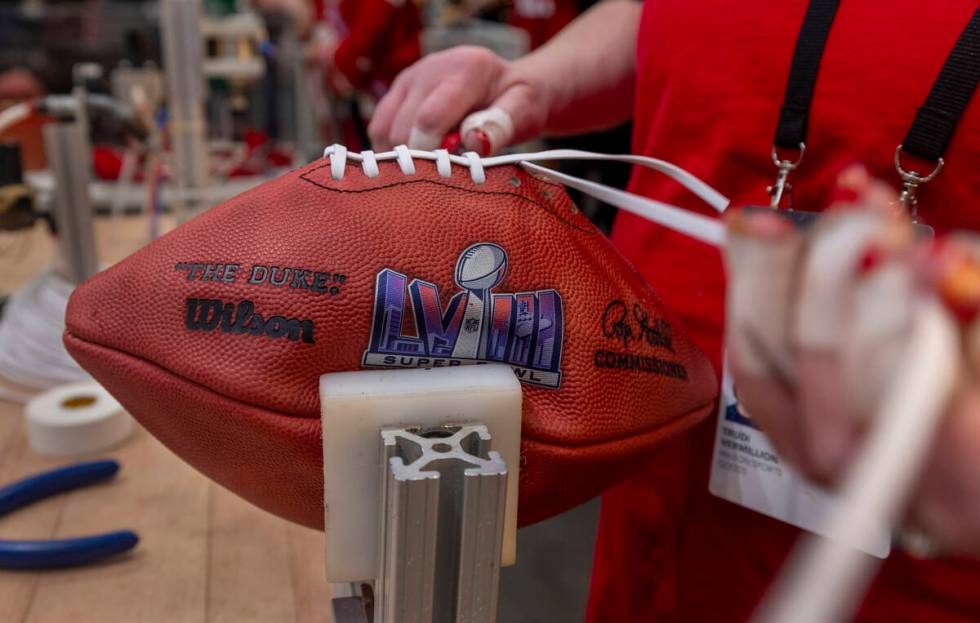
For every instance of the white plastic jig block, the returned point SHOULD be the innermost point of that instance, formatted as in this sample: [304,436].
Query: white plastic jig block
[357,406]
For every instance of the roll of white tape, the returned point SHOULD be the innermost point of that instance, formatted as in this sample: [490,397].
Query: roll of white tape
[77,418]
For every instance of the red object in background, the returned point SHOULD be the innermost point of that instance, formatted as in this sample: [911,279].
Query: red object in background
[260,155]
[378,39]
[28,134]
[106,162]
[711,79]
[254,139]
[224,367]
[542,19]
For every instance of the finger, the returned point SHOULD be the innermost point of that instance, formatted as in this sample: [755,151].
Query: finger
[379,128]
[884,299]
[954,274]
[855,188]
[828,426]
[835,246]
[761,258]
[947,505]
[850,314]
[772,408]
[883,292]
[401,125]
[513,117]
[442,110]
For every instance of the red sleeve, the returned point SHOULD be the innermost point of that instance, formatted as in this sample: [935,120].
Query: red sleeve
[377,33]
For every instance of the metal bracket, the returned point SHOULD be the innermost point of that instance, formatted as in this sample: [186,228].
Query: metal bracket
[443,494]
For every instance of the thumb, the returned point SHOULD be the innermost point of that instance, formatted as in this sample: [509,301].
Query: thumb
[513,117]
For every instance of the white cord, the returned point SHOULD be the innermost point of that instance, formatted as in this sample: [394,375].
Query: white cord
[686,222]
[824,579]
[31,351]
[339,156]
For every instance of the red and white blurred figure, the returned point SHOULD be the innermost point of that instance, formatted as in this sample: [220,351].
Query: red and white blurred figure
[542,19]
[819,321]
[363,44]
[360,44]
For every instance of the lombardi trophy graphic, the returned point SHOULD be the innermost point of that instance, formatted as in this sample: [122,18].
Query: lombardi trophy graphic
[478,270]
[523,329]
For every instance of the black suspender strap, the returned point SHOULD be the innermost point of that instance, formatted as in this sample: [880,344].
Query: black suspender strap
[938,117]
[936,121]
[792,126]
[795,113]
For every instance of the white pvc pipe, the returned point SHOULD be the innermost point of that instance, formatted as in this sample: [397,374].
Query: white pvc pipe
[824,579]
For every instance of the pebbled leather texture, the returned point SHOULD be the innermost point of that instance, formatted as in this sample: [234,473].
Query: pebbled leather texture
[244,408]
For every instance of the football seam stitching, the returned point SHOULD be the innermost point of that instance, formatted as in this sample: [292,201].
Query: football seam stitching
[212,390]
[303,177]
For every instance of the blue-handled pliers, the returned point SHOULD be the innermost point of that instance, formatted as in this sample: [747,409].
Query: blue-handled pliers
[55,553]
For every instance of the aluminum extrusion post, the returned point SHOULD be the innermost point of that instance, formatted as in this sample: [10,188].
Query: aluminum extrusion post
[443,494]
[180,26]
[67,147]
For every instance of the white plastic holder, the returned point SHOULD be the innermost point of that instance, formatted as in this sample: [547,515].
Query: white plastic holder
[420,488]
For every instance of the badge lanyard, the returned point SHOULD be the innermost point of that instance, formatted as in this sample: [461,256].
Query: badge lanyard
[927,138]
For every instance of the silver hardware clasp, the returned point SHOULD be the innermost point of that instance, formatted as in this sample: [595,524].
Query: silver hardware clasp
[911,180]
[782,187]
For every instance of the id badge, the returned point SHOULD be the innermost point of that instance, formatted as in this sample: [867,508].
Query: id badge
[747,470]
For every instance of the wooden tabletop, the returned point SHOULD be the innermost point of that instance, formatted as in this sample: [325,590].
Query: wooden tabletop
[204,554]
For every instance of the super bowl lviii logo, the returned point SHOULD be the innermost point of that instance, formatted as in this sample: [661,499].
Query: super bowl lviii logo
[477,325]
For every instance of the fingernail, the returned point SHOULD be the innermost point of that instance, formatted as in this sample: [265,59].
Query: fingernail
[957,280]
[453,143]
[423,139]
[761,224]
[487,131]
[478,141]
[872,258]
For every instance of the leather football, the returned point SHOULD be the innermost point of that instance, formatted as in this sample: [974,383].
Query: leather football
[215,335]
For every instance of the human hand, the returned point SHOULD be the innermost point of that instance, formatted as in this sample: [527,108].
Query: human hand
[436,94]
[819,321]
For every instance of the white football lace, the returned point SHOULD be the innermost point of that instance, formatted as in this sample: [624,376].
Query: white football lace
[706,229]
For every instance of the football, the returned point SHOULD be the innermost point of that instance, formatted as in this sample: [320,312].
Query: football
[215,335]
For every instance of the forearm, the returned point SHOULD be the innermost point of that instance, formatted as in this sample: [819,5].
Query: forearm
[588,70]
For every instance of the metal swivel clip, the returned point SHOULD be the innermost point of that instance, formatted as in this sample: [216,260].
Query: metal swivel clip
[782,187]
[911,181]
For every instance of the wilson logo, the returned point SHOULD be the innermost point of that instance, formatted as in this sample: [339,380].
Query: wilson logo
[242,319]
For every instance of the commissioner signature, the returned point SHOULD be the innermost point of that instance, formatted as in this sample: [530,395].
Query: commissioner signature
[619,324]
